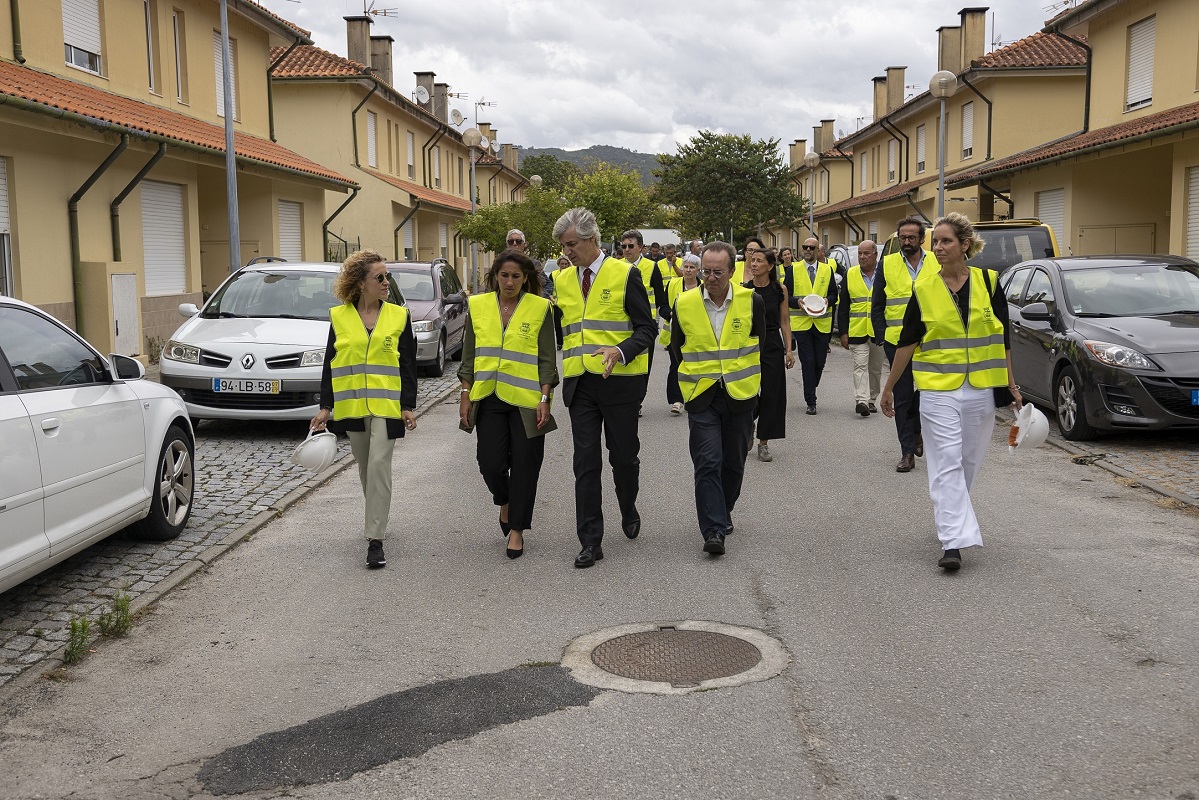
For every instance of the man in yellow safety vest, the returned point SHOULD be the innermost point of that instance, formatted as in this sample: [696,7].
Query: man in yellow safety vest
[857,331]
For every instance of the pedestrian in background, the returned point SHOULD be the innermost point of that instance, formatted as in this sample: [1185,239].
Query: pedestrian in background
[810,334]
[368,384]
[508,371]
[955,336]
[776,358]
[857,330]
[688,281]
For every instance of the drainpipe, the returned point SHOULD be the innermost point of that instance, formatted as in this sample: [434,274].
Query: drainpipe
[73,222]
[270,96]
[325,225]
[491,187]
[908,196]
[354,120]
[516,188]
[403,222]
[1086,101]
[906,145]
[18,52]
[115,207]
[427,149]
[848,220]
[990,111]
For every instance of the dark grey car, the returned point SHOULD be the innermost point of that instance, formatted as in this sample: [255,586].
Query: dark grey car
[433,295]
[1109,342]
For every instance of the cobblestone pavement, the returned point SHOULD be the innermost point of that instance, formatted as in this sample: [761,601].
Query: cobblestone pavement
[242,475]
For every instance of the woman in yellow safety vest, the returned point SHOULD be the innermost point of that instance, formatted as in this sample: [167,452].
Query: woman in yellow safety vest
[368,384]
[955,334]
[689,280]
[508,371]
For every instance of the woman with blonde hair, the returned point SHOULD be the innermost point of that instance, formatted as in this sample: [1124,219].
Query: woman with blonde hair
[368,384]
[955,334]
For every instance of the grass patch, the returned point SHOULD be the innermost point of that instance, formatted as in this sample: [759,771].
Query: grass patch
[60,675]
[116,622]
[534,664]
[78,640]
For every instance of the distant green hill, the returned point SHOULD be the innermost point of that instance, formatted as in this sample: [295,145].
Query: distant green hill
[642,163]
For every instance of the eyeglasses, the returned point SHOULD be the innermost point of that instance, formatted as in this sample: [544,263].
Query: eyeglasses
[808,247]
[630,246]
[381,277]
[707,273]
[516,241]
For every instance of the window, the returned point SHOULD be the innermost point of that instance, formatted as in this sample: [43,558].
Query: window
[1016,284]
[872,230]
[1141,39]
[1040,290]
[372,139]
[43,355]
[163,239]
[218,57]
[862,168]
[411,154]
[824,187]
[291,230]
[81,33]
[1192,211]
[443,237]
[968,130]
[1051,209]
[6,276]
[437,165]
[892,150]
[461,186]
[178,33]
[409,243]
[151,8]
[920,142]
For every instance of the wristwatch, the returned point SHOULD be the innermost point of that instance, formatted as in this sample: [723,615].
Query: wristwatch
[545,398]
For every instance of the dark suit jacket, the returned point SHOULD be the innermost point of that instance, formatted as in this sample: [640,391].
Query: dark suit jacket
[793,301]
[624,388]
[704,398]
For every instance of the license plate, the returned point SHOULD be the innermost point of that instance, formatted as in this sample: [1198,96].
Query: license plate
[245,386]
[1195,398]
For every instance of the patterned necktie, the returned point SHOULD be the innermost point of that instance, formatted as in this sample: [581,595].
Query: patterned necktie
[812,275]
[586,282]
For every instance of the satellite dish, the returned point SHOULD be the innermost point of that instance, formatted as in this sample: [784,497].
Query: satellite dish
[484,143]
[456,115]
[495,148]
[421,94]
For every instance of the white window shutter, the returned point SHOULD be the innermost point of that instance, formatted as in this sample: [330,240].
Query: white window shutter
[437,166]
[372,139]
[163,240]
[81,24]
[892,148]
[4,218]
[1141,40]
[1051,209]
[968,130]
[1192,244]
[218,57]
[872,230]
[443,236]
[291,230]
[862,167]
[409,243]
[411,154]
[920,160]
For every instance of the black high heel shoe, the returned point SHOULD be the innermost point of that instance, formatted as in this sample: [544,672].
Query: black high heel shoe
[515,553]
[505,527]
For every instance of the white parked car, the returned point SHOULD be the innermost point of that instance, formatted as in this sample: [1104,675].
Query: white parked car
[256,348]
[86,446]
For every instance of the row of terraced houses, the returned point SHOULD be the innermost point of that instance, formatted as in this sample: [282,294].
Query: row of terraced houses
[1090,125]
[113,206]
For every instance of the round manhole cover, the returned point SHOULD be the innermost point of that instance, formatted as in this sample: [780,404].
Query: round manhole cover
[677,657]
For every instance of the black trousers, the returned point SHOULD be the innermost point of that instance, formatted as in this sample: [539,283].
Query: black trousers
[509,461]
[591,414]
[674,392]
[811,348]
[907,405]
[719,441]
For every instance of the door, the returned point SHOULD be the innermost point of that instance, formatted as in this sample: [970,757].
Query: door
[455,313]
[89,431]
[126,331]
[22,525]
[1034,341]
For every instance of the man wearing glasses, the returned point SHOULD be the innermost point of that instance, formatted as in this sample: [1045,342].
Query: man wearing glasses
[811,334]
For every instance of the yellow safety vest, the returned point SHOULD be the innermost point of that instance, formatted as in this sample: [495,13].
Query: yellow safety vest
[673,290]
[781,269]
[736,360]
[647,269]
[859,304]
[802,286]
[669,271]
[506,358]
[738,274]
[600,322]
[366,367]
[899,288]
[949,351]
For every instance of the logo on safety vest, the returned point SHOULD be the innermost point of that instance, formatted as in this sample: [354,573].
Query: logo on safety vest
[737,324]
[387,344]
[525,327]
[606,296]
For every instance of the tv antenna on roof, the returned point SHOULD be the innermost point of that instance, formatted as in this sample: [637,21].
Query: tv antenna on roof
[368,7]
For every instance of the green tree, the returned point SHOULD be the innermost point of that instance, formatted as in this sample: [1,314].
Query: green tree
[719,181]
[534,216]
[615,196]
[554,172]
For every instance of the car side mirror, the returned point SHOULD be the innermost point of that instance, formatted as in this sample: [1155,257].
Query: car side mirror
[188,309]
[1037,312]
[456,298]
[126,368]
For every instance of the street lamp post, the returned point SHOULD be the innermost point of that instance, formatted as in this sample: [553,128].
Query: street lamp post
[472,137]
[811,160]
[942,85]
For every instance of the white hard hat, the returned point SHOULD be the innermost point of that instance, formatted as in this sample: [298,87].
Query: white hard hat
[814,305]
[316,452]
[1030,429]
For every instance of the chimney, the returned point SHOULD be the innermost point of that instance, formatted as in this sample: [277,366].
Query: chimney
[799,149]
[894,88]
[974,35]
[949,48]
[485,129]
[441,101]
[425,79]
[880,97]
[817,144]
[510,156]
[358,39]
[827,137]
[381,57]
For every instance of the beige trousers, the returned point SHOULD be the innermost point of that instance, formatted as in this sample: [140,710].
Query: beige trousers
[867,371]
[373,450]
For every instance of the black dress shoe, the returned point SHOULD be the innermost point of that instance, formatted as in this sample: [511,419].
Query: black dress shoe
[588,556]
[811,410]
[632,528]
[714,546]
[872,408]
[862,409]
[514,553]
[906,464]
[950,560]
[919,445]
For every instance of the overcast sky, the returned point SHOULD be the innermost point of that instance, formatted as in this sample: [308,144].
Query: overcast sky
[645,74]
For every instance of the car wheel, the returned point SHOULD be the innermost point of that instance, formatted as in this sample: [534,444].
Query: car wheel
[1071,411]
[173,490]
[437,368]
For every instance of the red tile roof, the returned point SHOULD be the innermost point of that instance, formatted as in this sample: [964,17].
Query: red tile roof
[309,61]
[434,196]
[266,12]
[1164,123]
[874,198]
[1037,50]
[50,92]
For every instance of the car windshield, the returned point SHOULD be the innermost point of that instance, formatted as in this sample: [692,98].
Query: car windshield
[277,293]
[1006,247]
[1134,291]
[415,285]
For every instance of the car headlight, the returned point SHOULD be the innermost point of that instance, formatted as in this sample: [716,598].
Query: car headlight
[313,358]
[424,326]
[1117,355]
[178,351]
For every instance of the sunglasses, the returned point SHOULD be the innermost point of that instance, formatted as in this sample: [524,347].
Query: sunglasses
[808,247]
[381,277]
[630,246]
[516,241]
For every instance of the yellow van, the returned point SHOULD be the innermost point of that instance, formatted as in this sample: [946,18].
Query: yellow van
[1009,242]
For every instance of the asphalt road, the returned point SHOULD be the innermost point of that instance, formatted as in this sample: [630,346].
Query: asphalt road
[1060,662]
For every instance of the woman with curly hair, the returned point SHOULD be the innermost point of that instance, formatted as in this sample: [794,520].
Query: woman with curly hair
[368,384]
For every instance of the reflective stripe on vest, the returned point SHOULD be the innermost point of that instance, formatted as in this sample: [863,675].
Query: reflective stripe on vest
[673,290]
[735,360]
[948,353]
[801,286]
[899,289]
[601,322]
[366,367]
[859,304]
[506,358]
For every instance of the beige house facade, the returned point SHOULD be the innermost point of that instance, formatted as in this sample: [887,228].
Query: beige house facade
[112,168]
